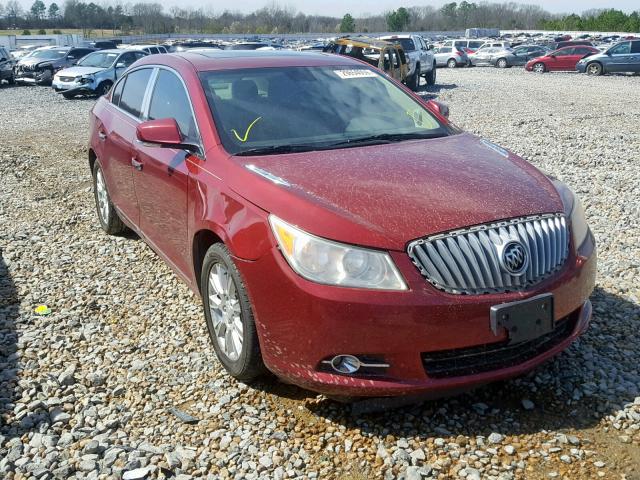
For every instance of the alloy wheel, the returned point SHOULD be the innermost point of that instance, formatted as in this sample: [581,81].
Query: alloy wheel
[539,68]
[103,197]
[502,63]
[594,69]
[226,315]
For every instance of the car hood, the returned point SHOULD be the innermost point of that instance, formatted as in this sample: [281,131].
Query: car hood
[78,70]
[387,195]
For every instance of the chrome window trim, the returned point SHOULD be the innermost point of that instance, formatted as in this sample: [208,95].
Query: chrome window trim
[121,110]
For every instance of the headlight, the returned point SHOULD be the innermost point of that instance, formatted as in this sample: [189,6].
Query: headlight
[332,263]
[579,227]
[87,79]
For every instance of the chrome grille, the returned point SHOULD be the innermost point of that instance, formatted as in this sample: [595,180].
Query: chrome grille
[468,261]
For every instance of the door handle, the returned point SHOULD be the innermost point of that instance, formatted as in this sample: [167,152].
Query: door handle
[136,164]
[101,135]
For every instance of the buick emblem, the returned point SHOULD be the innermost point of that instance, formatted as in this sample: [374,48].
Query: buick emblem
[514,259]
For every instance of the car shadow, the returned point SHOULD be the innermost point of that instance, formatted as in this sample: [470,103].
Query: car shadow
[499,406]
[9,392]
[431,91]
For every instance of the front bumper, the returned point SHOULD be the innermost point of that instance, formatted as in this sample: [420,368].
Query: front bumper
[581,67]
[34,77]
[60,86]
[301,323]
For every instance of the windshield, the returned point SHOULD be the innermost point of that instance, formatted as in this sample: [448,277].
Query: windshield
[52,54]
[310,108]
[98,59]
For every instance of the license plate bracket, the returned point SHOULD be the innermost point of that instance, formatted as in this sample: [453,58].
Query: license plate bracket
[525,319]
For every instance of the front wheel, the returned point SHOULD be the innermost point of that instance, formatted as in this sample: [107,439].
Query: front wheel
[230,321]
[69,96]
[452,63]
[103,88]
[502,63]
[594,69]
[11,80]
[539,68]
[431,76]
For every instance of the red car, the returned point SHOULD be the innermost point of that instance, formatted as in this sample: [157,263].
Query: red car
[340,231]
[563,59]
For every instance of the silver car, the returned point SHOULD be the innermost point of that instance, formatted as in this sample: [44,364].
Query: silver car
[450,57]
[95,73]
[40,66]
[484,56]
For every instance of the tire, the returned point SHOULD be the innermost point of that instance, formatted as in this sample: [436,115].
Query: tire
[451,63]
[431,76]
[502,63]
[413,82]
[69,96]
[107,215]
[594,69]
[539,67]
[104,88]
[229,315]
[11,80]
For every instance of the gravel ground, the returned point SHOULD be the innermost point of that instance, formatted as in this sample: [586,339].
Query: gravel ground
[92,390]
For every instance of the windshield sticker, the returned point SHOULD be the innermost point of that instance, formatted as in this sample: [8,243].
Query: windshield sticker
[246,134]
[358,73]
[495,148]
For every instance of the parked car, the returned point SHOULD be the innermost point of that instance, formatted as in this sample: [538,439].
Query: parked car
[6,66]
[41,65]
[151,49]
[572,43]
[450,57]
[483,56]
[309,247]
[564,59]
[104,44]
[466,45]
[494,44]
[387,56]
[623,57]
[95,73]
[518,56]
[420,59]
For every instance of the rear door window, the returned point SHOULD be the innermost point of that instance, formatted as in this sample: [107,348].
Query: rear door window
[133,92]
[635,47]
[117,93]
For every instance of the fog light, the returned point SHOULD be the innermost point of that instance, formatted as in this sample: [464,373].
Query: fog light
[345,364]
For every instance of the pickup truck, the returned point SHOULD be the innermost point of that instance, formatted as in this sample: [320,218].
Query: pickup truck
[420,59]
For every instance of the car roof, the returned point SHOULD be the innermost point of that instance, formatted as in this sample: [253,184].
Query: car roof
[238,59]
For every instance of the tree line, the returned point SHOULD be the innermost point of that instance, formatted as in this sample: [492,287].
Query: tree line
[150,17]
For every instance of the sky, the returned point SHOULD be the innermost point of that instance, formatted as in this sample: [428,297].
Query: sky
[337,8]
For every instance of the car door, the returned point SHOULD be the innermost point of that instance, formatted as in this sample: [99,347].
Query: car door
[125,61]
[161,176]
[118,134]
[560,59]
[620,58]
[635,56]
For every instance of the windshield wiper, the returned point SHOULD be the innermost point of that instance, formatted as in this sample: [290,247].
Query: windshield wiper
[384,138]
[274,149]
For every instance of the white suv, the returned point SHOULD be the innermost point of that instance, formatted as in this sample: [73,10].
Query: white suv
[420,59]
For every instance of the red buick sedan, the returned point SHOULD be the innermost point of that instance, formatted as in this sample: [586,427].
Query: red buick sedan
[564,59]
[341,232]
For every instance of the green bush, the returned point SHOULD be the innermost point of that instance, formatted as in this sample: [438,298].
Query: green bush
[57,32]
[26,32]
[42,31]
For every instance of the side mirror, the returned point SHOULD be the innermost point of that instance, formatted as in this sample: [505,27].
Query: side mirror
[3,59]
[120,65]
[441,108]
[163,133]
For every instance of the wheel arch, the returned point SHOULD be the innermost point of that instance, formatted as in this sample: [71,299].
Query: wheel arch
[602,69]
[92,159]
[202,241]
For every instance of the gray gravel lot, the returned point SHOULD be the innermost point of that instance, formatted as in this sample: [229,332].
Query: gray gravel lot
[88,391]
